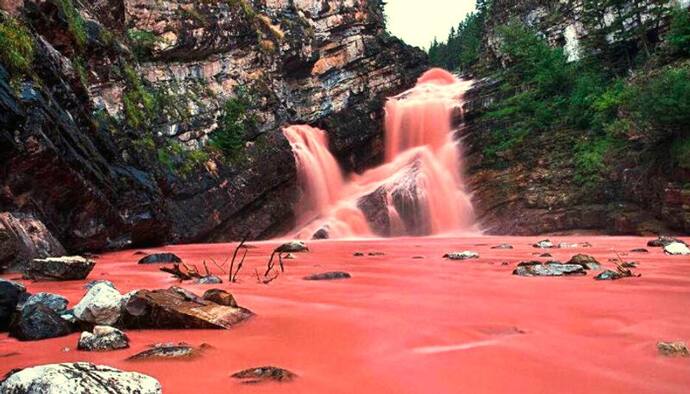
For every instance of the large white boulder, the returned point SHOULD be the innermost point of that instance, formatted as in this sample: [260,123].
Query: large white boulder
[78,378]
[100,305]
[677,249]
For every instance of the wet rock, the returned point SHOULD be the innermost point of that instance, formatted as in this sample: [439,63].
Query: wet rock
[103,338]
[551,268]
[543,244]
[36,322]
[662,241]
[292,247]
[467,254]
[55,302]
[545,255]
[639,250]
[328,276]
[358,254]
[162,351]
[264,374]
[59,268]
[170,308]
[677,249]
[376,254]
[95,282]
[220,297]
[11,293]
[24,238]
[321,233]
[101,305]
[374,207]
[502,246]
[209,280]
[673,349]
[158,258]
[586,261]
[615,275]
[78,378]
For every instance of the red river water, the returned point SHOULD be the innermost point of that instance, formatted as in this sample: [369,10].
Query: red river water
[418,136]
[410,321]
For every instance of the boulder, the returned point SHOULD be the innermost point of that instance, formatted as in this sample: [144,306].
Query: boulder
[162,351]
[55,302]
[220,297]
[615,275]
[292,247]
[677,249]
[78,378]
[551,268]
[662,241]
[59,268]
[467,254]
[544,244]
[321,233]
[101,305]
[502,246]
[673,349]
[328,276]
[171,308]
[103,338]
[209,280]
[158,258]
[24,238]
[11,293]
[586,261]
[38,321]
[264,374]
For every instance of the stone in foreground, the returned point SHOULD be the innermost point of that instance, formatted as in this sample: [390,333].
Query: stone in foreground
[586,261]
[677,249]
[673,349]
[551,268]
[328,276]
[101,305]
[78,378]
[38,321]
[11,293]
[467,254]
[264,374]
[103,338]
[179,309]
[157,258]
[59,268]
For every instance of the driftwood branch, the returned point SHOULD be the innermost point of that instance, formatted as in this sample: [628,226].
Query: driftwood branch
[232,276]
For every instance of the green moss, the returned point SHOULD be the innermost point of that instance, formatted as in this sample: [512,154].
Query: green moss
[75,23]
[17,46]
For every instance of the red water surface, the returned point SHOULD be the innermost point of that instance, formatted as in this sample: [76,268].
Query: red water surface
[414,325]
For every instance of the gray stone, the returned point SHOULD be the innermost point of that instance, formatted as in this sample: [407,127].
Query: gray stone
[103,338]
[677,249]
[551,268]
[586,261]
[467,254]
[55,302]
[78,378]
[59,268]
[36,322]
[209,280]
[292,247]
[101,305]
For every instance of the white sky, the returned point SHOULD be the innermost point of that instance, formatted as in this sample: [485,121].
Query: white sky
[417,22]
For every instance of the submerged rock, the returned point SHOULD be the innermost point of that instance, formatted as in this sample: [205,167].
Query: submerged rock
[220,297]
[328,276]
[586,261]
[662,241]
[264,374]
[677,249]
[38,321]
[157,258]
[162,351]
[59,268]
[544,244]
[101,305]
[551,268]
[170,308]
[467,254]
[615,275]
[502,246]
[103,338]
[673,349]
[11,293]
[55,302]
[639,250]
[292,247]
[358,254]
[209,280]
[78,378]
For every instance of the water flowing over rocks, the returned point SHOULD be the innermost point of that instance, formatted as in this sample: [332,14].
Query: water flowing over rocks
[78,378]
[103,338]
[59,268]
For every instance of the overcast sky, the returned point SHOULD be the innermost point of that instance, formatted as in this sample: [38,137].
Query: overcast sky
[417,22]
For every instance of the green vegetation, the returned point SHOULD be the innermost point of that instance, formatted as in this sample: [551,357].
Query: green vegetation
[75,23]
[235,119]
[142,42]
[244,5]
[679,33]
[179,159]
[140,103]
[17,52]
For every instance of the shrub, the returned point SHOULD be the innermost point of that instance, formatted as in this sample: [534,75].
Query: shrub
[679,32]
[590,158]
[17,52]
[140,104]
[235,119]
[142,42]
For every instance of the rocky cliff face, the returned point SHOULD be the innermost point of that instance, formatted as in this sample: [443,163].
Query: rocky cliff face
[539,194]
[105,134]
